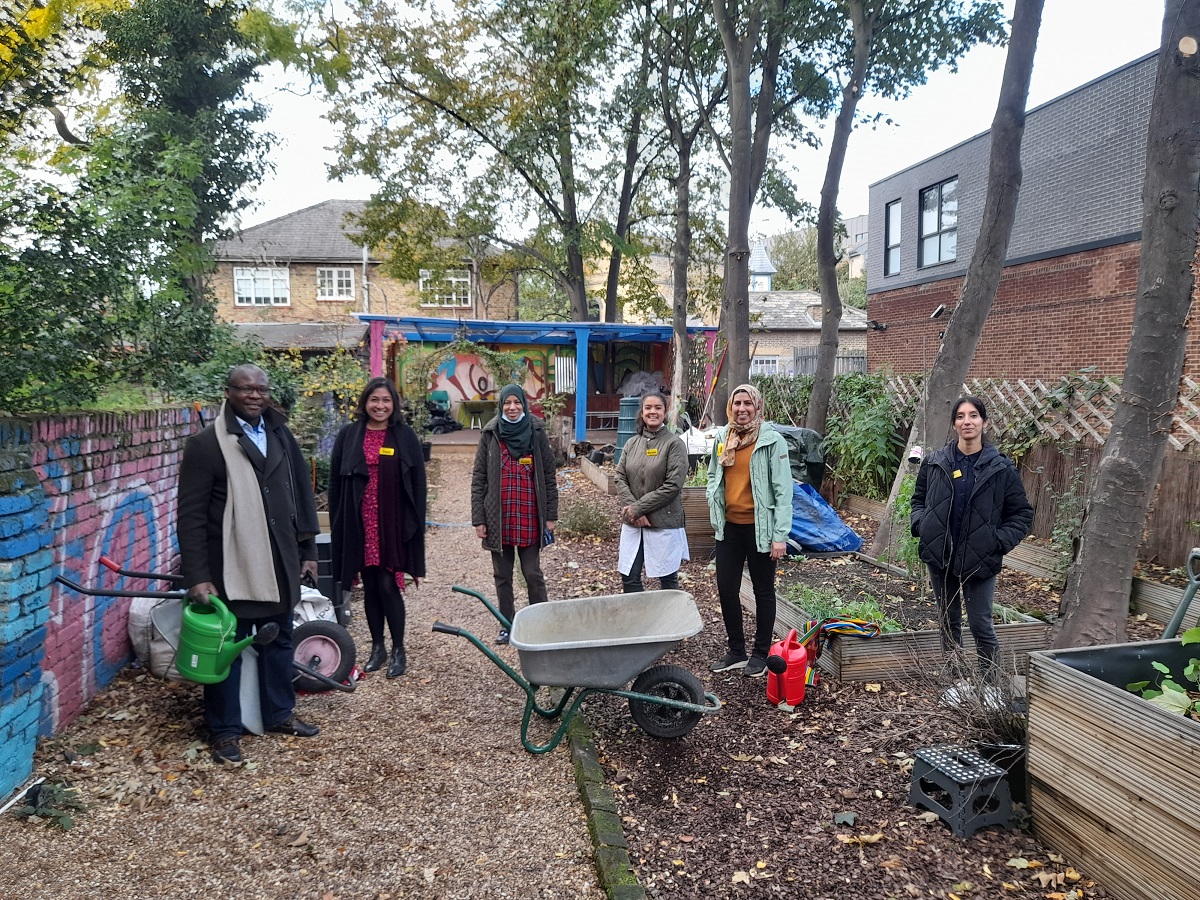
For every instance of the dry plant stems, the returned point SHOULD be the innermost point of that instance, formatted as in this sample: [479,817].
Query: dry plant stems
[979,708]
[584,518]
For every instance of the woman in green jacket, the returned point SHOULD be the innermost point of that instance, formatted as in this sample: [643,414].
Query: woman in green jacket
[650,480]
[750,504]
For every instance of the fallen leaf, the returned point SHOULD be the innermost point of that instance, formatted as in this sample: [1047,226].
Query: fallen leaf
[928,817]
[873,688]
[845,818]
[1018,862]
[300,841]
[686,838]
[741,877]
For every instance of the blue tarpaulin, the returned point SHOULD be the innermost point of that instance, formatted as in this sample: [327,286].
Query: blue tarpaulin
[816,527]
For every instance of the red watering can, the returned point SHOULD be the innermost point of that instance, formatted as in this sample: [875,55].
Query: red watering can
[787,671]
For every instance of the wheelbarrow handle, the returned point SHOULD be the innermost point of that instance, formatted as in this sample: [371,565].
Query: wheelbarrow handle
[130,573]
[98,592]
[504,623]
[443,628]
[323,678]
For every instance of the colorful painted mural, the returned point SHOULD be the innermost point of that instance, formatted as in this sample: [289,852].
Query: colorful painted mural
[75,489]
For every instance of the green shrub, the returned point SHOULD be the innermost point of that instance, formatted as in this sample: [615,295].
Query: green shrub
[825,603]
[581,517]
[904,548]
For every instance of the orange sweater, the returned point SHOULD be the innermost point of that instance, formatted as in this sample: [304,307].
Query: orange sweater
[739,499]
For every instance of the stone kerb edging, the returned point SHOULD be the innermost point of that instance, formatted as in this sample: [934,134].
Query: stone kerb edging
[610,848]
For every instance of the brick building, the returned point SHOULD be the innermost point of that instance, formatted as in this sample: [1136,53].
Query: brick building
[1067,295]
[298,280]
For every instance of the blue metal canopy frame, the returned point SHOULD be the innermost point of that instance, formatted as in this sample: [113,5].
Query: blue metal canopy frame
[576,334]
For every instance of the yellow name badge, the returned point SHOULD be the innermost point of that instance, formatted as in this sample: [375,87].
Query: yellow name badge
[720,449]
[652,451]
[958,473]
[526,460]
[387,451]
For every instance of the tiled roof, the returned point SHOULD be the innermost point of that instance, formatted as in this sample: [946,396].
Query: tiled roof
[314,234]
[306,336]
[797,311]
[760,263]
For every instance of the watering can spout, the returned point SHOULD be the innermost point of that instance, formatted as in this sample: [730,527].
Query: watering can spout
[206,640]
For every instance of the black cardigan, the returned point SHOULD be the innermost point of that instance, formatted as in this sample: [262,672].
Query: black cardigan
[348,478]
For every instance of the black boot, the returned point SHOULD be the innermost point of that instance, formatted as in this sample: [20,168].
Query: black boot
[399,663]
[377,658]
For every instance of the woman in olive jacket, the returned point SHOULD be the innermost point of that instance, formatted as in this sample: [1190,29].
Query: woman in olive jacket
[377,514]
[650,478]
[968,508]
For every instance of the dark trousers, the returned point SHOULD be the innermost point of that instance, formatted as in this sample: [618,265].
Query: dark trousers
[976,594]
[735,551]
[276,696]
[531,568]
[632,583]
[383,601]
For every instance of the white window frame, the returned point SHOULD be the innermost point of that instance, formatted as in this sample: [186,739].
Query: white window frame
[891,238]
[335,283]
[262,286]
[450,290]
[764,365]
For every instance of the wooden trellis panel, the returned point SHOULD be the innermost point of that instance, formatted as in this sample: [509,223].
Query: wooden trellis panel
[1062,411]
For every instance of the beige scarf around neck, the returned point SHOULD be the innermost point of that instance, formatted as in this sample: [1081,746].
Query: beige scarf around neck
[249,568]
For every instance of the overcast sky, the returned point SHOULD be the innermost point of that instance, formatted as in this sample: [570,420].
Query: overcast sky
[1080,40]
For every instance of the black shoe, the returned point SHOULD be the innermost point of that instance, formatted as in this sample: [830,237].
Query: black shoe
[377,658]
[756,667]
[398,664]
[227,750]
[502,637]
[729,661]
[295,727]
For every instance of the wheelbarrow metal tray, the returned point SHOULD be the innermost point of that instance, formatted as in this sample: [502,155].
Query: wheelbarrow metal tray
[601,642]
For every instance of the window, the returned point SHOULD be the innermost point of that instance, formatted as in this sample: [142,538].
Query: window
[764,365]
[891,238]
[860,237]
[760,282]
[261,287]
[335,284]
[448,289]
[939,223]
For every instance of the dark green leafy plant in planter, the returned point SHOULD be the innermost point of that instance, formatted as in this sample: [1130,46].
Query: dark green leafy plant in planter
[1167,692]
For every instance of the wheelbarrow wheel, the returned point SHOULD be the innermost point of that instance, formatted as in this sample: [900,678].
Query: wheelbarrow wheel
[325,647]
[672,683]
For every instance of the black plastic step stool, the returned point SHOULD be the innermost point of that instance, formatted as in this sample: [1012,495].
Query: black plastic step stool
[960,786]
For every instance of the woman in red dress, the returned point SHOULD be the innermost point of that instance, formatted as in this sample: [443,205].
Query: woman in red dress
[377,499]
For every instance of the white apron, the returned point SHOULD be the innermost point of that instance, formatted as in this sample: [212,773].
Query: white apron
[665,549]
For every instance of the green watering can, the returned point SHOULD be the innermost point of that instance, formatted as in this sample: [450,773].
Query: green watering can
[206,644]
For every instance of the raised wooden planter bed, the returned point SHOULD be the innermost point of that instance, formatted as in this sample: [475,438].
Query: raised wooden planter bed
[1155,600]
[702,540]
[904,653]
[1113,777]
[605,479]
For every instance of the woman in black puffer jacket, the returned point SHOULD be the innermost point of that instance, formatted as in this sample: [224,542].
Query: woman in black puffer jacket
[968,508]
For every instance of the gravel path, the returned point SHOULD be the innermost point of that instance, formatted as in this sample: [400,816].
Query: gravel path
[415,788]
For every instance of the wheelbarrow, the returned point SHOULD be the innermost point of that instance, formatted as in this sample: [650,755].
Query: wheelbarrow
[594,645]
[323,650]
[1185,602]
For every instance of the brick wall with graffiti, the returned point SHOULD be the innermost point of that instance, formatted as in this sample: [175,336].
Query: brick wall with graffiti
[74,488]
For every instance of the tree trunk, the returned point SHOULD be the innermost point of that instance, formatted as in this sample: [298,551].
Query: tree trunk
[735,300]
[831,301]
[965,327]
[680,257]
[1127,474]
[572,233]
[632,153]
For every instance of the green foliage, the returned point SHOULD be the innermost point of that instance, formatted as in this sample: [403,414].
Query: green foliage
[553,405]
[699,476]
[826,603]
[51,804]
[1166,691]
[1068,520]
[307,382]
[904,549]
[785,397]
[581,517]
[863,440]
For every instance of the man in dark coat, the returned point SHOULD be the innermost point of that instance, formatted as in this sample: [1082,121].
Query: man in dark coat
[245,498]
